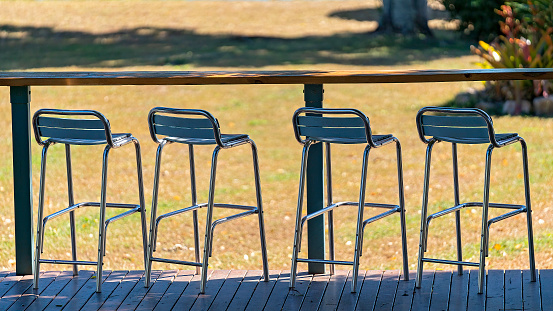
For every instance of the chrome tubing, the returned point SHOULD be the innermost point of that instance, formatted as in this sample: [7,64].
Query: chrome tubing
[140,180]
[260,217]
[297,236]
[402,211]
[102,233]
[330,218]
[71,199]
[194,202]
[484,235]
[359,230]
[208,238]
[424,211]
[40,228]
[458,212]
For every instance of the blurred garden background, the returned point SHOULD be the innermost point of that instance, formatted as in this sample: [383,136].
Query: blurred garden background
[274,35]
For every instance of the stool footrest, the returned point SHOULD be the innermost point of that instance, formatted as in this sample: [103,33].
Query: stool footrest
[396,209]
[178,262]
[507,215]
[68,262]
[451,262]
[324,261]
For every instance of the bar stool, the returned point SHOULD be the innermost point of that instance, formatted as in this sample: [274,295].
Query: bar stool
[468,126]
[198,127]
[350,127]
[82,127]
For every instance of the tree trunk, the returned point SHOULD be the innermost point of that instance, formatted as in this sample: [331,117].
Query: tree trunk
[404,16]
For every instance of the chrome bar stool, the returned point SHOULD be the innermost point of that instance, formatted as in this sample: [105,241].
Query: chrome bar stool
[468,126]
[82,127]
[347,126]
[198,127]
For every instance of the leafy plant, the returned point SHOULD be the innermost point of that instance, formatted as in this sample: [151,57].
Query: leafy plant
[477,17]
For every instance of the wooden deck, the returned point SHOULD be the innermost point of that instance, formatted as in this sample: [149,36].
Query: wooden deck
[243,290]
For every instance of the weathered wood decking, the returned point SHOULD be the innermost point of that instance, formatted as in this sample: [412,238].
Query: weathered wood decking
[244,290]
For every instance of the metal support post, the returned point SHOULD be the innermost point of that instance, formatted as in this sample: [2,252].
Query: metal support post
[313,95]
[20,98]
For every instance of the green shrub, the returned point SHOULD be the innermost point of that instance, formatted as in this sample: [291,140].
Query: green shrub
[477,17]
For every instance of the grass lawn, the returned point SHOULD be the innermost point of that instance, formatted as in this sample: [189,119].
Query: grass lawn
[283,35]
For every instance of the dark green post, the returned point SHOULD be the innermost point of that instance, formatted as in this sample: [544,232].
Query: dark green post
[20,98]
[313,95]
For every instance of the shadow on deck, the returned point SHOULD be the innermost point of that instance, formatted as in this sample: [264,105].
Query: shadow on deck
[244,290]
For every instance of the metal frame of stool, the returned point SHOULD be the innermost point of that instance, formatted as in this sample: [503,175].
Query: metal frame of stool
[353,130]
[468,126]
[95,130]
[199,131]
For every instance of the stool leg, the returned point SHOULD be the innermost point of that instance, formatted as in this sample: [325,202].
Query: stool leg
[102,222]
[71,199]
[528,211]
[457,213]
[359,230]
[40,224]
[140,180]
[153,223]
[402,211]
[329,200]
[260,211]
[297,232]
[423,231]
[484,236]
[208,224]
[194,202]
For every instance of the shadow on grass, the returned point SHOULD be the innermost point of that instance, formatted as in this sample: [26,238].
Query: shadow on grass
[35,47]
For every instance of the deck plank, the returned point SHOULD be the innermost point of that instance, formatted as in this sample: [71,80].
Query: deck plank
[368,291]
[546,282]
[84,293]
[459,291]
[440,291]
[49,293]
[70,290]
[348,300]
[16,291]
[295,296]
[404,293]
[334,290]
[227,291]
[123,289]
[157,290]
[315,292]
[214,284]
[422,296]
[247,287]
[513,290]
[96,300]
[30,295]
[495,290]
[530,291]
[175,290]
[475,301]
[387,291]
[272,293]
[137,293]
[8,282]
[190,293]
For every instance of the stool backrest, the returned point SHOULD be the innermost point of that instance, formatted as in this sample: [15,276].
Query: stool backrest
[173,122]
[456,125]
[313,125]
[77,125]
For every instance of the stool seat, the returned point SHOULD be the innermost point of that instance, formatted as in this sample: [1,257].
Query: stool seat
[118,139]
[377,139]
[500,138]
[225,138]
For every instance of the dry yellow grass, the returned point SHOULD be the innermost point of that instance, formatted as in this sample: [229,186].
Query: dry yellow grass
[264,112]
